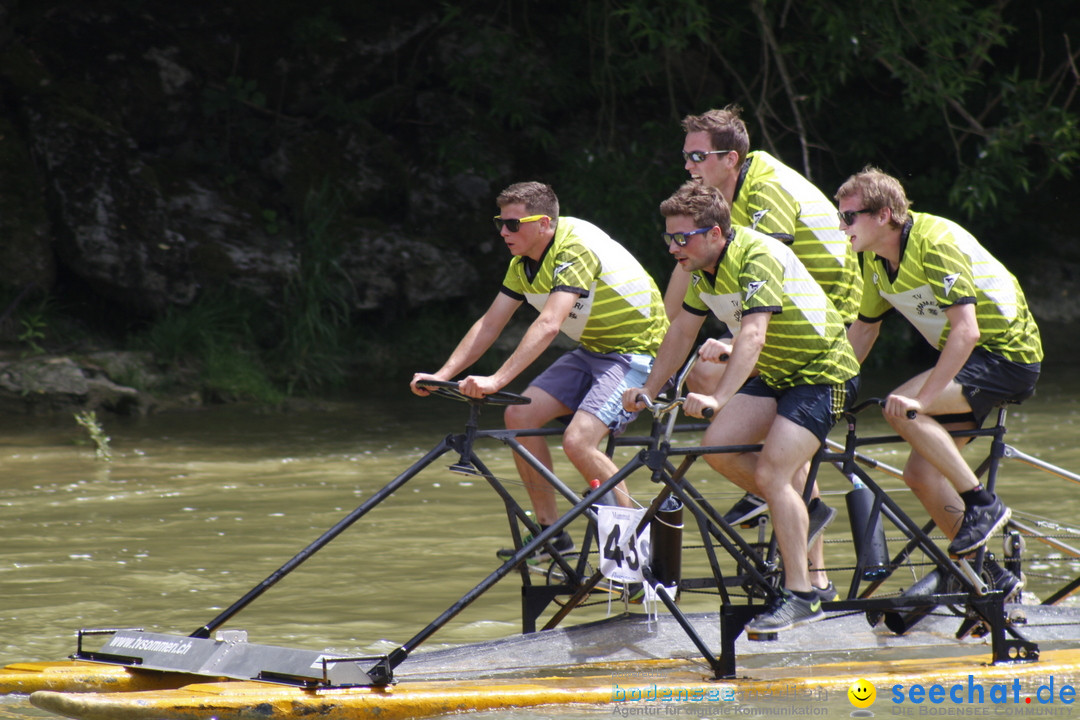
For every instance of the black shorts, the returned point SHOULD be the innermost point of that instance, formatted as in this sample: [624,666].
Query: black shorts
[989,381]
[814,407]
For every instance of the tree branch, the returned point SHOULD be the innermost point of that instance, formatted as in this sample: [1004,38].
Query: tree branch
[785,78]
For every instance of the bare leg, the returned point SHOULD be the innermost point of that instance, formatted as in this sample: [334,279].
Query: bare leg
[936,470]
[786,450]
[538,413]
[581,443]
[935,492]
[772,473]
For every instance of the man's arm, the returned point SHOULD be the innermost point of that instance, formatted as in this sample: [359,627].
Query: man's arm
[740,366]
[673,350]
[676,292]
[862,336]
[535,341]
[962,339]
[475,343]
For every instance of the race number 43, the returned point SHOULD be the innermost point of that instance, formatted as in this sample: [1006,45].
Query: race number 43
[622,553]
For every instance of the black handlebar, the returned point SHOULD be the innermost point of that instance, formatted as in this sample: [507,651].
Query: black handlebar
[879,402]
[449,389]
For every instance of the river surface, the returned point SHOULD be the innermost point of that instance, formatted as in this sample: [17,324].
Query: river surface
[197,507]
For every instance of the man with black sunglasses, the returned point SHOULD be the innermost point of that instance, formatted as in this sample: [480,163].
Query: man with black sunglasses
[772,198]
[791,372]
[591,288]
[971,309]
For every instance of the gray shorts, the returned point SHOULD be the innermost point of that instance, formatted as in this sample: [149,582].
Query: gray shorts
[594,382]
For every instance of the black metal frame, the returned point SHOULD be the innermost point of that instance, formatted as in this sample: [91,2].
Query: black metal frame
[755,570]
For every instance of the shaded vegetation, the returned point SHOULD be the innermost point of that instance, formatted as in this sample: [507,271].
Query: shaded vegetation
[972,104]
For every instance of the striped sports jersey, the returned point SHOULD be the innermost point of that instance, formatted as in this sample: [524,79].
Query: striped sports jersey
[772,198]
[806,342]
[619,307]
[941,265]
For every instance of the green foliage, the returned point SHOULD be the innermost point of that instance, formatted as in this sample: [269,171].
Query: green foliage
[972,104]
[230,372]
[33,330]
[971,100]
[394,349]
[214,337]
[828,86]
[271,222]
[223,335]
[235,131]
[315,313]
[88,419]
[315,32]
[620,190]
[34,320]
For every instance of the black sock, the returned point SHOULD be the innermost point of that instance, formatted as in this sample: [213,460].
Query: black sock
[976,496]
[808,595]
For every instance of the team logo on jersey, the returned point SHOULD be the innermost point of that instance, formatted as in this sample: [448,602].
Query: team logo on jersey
[950,280]
[560,268]
[753,287]
[756,218]
[927,307]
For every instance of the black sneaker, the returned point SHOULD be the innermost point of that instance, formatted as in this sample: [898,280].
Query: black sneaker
[980,522]
[820,516]
[747,508]
[562,542]
[787,612]
[828,593]
[1001,579]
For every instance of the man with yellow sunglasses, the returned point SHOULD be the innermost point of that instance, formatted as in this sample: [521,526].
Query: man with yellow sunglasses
[585,284]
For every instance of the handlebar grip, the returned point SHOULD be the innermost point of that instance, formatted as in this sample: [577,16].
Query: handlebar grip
[707,413]
[910,414]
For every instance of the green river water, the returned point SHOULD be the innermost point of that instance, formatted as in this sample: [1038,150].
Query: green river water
[196,507]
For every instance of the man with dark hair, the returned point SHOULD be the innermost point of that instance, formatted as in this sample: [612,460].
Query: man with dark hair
[591,288]
[970,308]
[768,196]
[788,332]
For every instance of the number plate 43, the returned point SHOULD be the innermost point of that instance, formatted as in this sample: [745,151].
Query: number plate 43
[623,554]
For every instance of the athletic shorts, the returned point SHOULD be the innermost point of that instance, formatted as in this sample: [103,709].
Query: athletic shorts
[814,407]
[989,381]
[594,382]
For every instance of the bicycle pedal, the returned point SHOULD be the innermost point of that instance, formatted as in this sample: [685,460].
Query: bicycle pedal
[754,523]
[974,627]
[762,636]
[1017,617]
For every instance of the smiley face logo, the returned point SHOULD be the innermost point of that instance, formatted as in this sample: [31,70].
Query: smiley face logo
[862,693]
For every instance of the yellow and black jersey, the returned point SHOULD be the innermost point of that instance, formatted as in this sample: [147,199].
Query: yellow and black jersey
[941,265]
[806,342]
[619,307]
[772,198]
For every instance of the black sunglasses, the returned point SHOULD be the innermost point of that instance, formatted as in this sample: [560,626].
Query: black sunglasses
[848,216]
[699,156]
